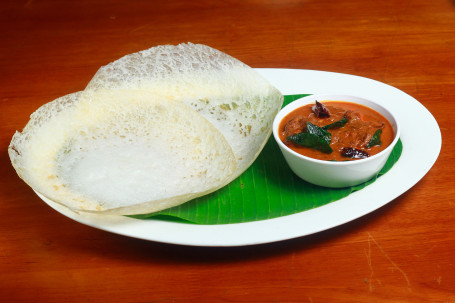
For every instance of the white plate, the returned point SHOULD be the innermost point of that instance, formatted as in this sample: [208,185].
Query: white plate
[414,163]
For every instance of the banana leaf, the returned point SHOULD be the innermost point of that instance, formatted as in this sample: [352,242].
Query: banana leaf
[268,189]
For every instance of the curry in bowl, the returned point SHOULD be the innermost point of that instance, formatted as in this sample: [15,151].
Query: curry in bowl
[336,131]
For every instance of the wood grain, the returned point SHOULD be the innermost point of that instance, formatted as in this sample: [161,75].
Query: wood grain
[404,252]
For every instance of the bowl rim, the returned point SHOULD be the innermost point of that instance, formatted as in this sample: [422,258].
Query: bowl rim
[333,97]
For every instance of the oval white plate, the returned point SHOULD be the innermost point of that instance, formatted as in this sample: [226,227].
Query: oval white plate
[414,163]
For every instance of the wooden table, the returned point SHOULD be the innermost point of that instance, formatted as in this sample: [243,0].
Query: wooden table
[403,252]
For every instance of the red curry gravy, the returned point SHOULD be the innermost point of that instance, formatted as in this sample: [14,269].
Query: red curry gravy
[362,123]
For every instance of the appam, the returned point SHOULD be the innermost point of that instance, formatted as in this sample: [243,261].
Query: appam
[152,130]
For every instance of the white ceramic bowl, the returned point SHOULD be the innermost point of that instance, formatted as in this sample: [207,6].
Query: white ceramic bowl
[329,173]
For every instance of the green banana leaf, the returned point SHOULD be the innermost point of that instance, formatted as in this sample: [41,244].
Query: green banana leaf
[268,189]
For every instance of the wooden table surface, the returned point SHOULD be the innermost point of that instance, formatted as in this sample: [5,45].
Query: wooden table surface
[403,252]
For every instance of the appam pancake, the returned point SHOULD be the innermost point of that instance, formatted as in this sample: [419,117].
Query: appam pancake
[152,130]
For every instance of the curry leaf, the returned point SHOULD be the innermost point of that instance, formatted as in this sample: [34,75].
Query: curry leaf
[339,123]
[311,141]
[376,139]
[318,131]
